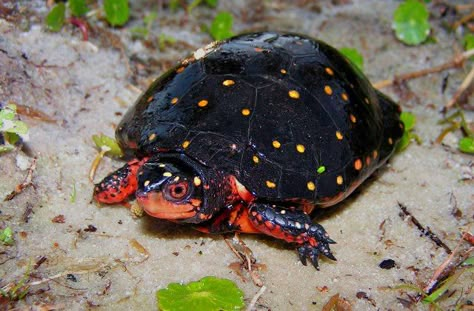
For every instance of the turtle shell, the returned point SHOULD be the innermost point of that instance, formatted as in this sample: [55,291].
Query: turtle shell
[287,115]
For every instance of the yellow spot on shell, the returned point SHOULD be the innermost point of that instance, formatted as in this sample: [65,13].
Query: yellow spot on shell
[255,159]
[339,180]
[245,111]
[311,186]
[149,99]
[390,141]
[283,71]
[203,103]
[353,118]
[228,82]
[146,183]
[294,94]
[186,144]
[270,184]
[344,97]
[300,148]
[328,90]
[151,137]
[197,181]
[339,135]
[329,71]
[174,100]
[276,144]
[167,174]
[358,164]
[375,154]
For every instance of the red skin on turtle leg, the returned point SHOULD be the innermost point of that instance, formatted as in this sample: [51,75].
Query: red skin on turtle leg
[119,185]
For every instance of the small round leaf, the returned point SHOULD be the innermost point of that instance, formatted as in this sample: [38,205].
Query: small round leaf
[410,22]
[208,294]
[221,27]
[466,145]
[116,12]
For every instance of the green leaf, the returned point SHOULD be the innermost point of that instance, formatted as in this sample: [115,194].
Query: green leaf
[6,236]
[211,3]
[410,22]
[11,129]
[6,148]
[173,5]
[208,294]
[466,145]
[221,26]
[55,17]
[404,141]
[354,56]
[163,40]
[408,119]
[72,197]
[468,262]
[149,19]
[78,7]
[7,113]
[139,32]
[445,286]
[468,41]
[116,12]
[193,5]
[108,144]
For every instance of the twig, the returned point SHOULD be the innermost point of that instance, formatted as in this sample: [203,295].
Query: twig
[454,63]
[425,231]
[462,88]
[26,183]
[255,298]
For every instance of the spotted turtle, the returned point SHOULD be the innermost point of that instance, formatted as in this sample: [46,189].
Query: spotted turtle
[251,134]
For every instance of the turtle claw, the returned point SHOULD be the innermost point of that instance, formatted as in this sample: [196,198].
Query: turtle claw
[310,252]
[317,243]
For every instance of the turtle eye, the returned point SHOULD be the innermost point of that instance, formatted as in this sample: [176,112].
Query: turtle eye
[177,191]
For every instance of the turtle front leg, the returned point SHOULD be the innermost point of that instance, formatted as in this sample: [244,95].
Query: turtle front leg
[119,185]
[293,226]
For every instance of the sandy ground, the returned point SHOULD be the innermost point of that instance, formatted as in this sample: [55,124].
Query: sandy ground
[86,86]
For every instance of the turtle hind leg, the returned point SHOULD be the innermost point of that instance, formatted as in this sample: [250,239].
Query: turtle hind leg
[119,185]
[293,226]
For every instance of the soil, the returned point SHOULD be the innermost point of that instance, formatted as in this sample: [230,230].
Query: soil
[80,255]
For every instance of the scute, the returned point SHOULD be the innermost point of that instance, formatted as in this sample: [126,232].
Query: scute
[286,114]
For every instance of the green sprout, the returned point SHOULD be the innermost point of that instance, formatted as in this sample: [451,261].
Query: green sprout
[457,121]
[11,129]
[144,31]
[208,294]
[410,22]
[108,145]
[409,121]
[6,236]
[116,13]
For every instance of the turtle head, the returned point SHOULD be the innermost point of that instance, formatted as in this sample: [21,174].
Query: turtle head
[174,187]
